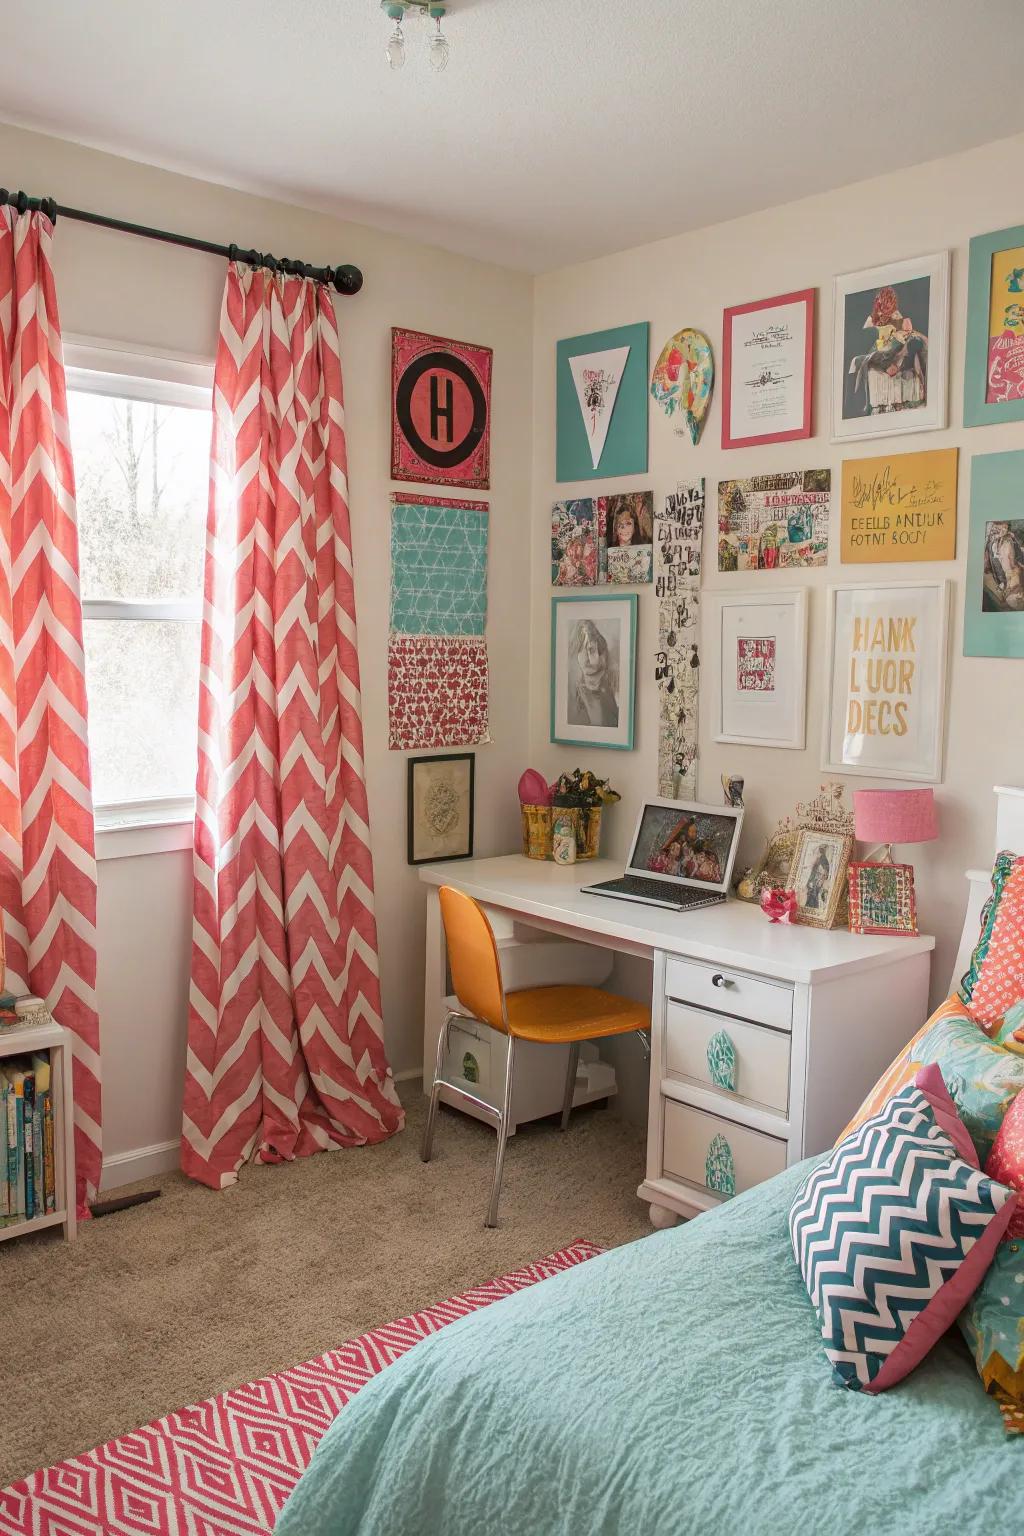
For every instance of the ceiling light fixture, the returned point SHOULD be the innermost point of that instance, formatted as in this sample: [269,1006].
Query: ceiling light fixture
[399,11]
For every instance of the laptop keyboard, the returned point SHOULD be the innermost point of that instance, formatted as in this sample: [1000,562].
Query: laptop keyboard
[658,890]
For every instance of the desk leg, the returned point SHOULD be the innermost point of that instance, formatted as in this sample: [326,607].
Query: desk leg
[433,986]
[662,1217]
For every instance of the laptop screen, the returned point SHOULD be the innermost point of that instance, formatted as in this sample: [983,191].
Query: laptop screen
[682,843]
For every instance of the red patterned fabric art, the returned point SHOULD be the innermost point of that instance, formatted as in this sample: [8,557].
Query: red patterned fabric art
[225,1467]
[285,1039]
[437,691]
[47,847]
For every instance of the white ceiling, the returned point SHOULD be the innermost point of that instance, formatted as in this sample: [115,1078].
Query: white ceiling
[561,130]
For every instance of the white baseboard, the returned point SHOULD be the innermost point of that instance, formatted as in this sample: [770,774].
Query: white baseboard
[143,1163]
[408,1075]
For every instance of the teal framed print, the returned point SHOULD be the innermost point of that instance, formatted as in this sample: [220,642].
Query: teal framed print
[994,363]
[601,404]
[593,670]
[994,605]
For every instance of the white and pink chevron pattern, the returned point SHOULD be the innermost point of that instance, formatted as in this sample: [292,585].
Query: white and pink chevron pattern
[285,1046]
[47,846]
[226,1466]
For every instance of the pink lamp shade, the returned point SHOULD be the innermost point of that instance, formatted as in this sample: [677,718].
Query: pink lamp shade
[895,815]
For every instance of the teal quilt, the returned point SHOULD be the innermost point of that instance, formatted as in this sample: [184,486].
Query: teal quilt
[674,1387]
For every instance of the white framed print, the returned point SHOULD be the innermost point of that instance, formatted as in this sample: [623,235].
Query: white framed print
[885,712]
[593,670]
[890,349]
[762,680]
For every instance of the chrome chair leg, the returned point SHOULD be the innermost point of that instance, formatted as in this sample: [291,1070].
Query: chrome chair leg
[499,1161]
[570,1083]
[435,1091]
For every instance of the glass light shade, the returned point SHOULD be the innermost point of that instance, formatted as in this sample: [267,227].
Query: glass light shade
[395,50]
[438,49]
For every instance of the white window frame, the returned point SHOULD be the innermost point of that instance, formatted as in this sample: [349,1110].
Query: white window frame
[131,827]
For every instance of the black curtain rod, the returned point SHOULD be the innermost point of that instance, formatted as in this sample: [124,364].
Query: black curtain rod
[347,280]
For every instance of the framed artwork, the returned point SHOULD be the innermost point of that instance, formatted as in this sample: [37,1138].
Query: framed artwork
[440,410]
[762,647]
[818,875]
[901,506]
[767,370]
[994,362]
[601,404]
[890,349]
[882,898]
[994,604]
[627,532]
[593,670]
[885,710]
[575,543]
[440,807]
[772,522]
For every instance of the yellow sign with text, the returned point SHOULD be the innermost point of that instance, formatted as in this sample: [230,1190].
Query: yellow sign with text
[900,507]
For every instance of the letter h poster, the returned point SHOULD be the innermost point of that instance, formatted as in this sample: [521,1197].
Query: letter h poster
[440,411]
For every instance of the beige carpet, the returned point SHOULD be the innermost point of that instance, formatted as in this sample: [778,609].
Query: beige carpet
[174,1301]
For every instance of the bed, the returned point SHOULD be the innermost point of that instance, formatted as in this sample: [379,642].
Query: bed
[675,1385]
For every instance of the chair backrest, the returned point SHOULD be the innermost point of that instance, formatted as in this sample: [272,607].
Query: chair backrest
[473,958]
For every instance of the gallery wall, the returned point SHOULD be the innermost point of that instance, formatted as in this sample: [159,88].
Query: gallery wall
[124,290]
[688,281]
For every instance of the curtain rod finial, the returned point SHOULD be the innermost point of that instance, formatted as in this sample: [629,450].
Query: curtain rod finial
[348,280]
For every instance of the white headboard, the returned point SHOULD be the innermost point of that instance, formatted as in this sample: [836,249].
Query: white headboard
[1009,834]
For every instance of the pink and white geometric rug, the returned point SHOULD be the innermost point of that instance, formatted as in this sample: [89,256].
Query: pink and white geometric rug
[225,1467]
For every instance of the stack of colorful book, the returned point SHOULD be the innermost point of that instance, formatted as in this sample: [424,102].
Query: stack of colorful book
[27,1170]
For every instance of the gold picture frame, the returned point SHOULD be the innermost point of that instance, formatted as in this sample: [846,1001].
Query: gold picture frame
[818,875]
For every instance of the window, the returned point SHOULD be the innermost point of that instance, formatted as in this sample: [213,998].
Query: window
[140,436]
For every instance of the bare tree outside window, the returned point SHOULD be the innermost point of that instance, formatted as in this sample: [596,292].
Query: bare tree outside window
[142,473]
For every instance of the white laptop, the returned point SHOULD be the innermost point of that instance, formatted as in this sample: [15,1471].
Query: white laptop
[682,856]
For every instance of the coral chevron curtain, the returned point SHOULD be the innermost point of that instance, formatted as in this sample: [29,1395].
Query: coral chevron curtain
[47,846]
[285,1050]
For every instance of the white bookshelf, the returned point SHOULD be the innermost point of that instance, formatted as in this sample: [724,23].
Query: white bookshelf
[55,1039]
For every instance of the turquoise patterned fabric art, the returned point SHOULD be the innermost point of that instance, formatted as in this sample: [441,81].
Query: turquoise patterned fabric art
[438,567]
[719,1167]
[721,1054]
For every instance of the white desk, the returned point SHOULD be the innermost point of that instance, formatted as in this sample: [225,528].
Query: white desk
[814,1016]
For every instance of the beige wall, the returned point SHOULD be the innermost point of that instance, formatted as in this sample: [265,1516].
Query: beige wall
[687,281]
[124,289]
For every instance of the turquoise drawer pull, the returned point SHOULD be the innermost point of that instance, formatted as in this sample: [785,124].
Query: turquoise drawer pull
[720,1167]
[721,1055]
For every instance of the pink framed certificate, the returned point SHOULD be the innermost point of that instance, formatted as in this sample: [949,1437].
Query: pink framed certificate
[768,370]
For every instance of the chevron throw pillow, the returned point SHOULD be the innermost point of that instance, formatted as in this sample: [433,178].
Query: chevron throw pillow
[893,1232]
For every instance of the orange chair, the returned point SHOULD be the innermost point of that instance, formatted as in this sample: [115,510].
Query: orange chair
[564,1015]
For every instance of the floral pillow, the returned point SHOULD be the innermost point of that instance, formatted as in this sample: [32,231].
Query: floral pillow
[995,981]
[983,1077]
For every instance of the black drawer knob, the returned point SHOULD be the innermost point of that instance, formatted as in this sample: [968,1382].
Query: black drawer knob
[718,980]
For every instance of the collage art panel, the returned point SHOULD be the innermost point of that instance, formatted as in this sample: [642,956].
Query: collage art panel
[598,540]
[677,542]
[438,687]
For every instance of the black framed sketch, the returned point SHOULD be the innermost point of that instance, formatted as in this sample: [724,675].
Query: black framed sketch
[440,796]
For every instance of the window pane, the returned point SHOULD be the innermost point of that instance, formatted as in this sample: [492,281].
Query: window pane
[143,689]
[142,474]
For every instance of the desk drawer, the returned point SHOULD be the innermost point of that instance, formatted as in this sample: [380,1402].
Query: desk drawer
[727,991]
[761,1055]
[697,1144]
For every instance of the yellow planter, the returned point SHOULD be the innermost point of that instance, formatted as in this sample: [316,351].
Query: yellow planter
[538,824]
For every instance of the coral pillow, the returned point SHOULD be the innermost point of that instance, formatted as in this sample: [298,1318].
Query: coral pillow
[983,1077]
[995,980]
[892,1233]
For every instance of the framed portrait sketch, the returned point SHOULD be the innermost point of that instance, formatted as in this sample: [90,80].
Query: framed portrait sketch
[885,710]
[818,875]
[762,648]
[994,604]
[593,670]
[890,349]
[440,807]
[767,370]
[994,362]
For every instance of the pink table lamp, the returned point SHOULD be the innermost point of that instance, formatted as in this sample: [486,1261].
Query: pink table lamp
[890,816]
